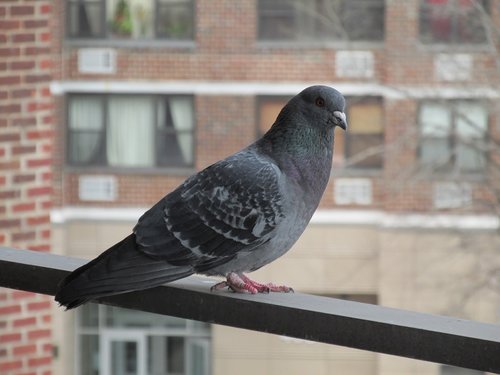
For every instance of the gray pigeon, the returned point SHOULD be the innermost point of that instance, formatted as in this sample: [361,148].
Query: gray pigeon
[233,217]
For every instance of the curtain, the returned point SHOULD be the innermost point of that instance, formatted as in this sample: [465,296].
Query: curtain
[85,17]
[130,136]
[86,126]
[181,110]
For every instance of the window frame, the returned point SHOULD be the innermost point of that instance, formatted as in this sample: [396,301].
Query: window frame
[105,39]
[455,42]
[453,139]
[379,100]
[189,332]
[105,167]
[313,41]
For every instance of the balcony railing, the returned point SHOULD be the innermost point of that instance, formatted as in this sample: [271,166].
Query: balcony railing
[441,339]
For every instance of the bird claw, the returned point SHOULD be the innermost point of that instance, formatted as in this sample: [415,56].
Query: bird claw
[240,283]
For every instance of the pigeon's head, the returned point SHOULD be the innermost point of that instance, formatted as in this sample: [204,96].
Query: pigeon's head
[323,105]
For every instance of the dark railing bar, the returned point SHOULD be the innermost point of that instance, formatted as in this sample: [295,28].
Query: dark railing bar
[434,338]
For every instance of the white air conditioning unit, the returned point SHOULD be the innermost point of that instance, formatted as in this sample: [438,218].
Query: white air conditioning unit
[97,60]
[453,67]
[452,195]
[353,191]
[354,64]
[97,188]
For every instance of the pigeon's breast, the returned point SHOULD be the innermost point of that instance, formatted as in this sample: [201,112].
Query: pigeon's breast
[296,217]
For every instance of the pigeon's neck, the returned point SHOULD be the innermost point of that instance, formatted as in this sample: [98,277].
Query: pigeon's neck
[303,153]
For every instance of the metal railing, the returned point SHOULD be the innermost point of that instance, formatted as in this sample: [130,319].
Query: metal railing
[379,329]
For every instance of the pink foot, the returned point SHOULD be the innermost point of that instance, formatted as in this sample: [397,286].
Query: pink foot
[241,283]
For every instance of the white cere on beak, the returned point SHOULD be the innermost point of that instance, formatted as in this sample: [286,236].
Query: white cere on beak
[341,119]
[340,115]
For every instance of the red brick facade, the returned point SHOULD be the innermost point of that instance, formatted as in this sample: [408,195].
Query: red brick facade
[35,174]
[26,143]
[226,49]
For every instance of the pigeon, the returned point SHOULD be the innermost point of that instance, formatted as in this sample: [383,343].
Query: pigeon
[232,217]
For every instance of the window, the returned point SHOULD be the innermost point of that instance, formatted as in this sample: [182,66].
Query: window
[364,139]
[452,21]
[131,19]
[113,340]
[360,145]
[321,20]
[140,131]
[453,136]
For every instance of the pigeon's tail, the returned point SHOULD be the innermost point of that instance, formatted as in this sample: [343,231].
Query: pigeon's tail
[122,268]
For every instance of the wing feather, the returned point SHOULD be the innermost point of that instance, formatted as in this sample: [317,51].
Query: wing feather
[231,206]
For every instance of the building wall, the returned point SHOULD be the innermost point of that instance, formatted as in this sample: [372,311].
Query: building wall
[226,69]
[26,130]
[432,271]
[225,123]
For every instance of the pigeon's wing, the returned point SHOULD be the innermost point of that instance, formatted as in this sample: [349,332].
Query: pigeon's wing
[231,206]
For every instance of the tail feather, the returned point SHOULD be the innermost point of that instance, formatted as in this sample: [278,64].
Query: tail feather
[120,269]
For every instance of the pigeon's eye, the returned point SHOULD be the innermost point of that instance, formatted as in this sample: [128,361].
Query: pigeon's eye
[320,102]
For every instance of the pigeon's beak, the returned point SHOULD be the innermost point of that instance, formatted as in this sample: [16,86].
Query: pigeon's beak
[340,119]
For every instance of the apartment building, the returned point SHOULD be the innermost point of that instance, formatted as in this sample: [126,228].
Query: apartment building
[143,93]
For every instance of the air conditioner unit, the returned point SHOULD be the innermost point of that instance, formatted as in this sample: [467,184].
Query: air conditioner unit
[97,60]
[356,191]
[97,188]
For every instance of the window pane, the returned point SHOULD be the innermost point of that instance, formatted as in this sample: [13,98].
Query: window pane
[471,120]
[85,129]
[358,143]
[170,152]
[85,113]
[119,19]
[200,361]
[175,141]
[89,354]
[363,19]
[435,152]
[175,355]
[124,357]
[166,355]
[175,19]
[130,131]
[470,157]
[321,20]
[452,21]
[309,20]
[169,346]
[435,120]
[85,19]
[366,131]
[471,127]
[130,18]
[276,19]
[89,315]
[366,118]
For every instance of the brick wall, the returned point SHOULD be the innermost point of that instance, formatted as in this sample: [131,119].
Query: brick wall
[26,132]
[226,49]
